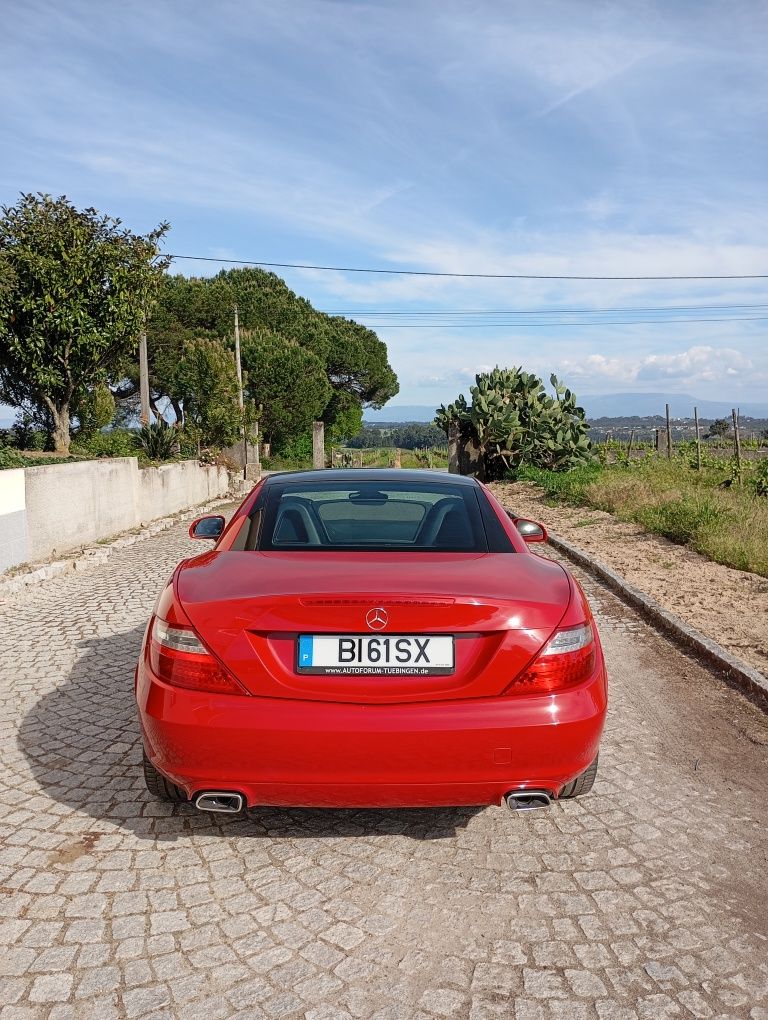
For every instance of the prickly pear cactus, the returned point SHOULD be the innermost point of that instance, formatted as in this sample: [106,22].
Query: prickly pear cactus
[513,421]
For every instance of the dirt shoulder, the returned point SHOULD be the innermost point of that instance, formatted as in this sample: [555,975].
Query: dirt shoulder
[730,606]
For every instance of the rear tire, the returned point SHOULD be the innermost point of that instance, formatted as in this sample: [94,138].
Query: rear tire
[581,784]
[159,786]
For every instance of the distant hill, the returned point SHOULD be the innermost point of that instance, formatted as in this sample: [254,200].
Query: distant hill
[606,405]
[614,405]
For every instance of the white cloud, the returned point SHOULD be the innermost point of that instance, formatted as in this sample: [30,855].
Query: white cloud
[697,363]
[598,364]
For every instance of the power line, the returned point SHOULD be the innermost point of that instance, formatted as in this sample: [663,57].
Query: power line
[476,276]
[583,323]
[539,311]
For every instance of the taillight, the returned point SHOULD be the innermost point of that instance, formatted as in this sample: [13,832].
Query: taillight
[566,659]
[178,657]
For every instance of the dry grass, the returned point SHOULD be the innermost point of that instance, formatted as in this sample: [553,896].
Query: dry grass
[728,525]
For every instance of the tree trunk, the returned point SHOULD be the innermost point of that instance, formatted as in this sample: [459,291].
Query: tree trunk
[472,460]
[454,448]
[60,415]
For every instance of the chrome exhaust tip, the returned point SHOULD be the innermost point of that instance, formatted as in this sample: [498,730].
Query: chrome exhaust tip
[527,800]
[223,801]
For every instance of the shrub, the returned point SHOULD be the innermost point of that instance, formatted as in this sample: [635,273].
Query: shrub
[759,481]
[297,449]
[10,458]
[31,429]
[157,440]
[115,443]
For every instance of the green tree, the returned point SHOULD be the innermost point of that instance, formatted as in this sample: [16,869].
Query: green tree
[343,417]
[7,275]
[717,429]
[416,434]
[207,377]
[94,410]
[353,358]
[357,363]
[287,381]
[80,288]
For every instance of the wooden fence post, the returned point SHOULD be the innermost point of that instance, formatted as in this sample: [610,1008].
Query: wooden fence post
[669,435]
[698,439]
[736,443]
[629,444]
[318,444]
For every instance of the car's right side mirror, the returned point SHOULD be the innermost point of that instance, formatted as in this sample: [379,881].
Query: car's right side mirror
[530,531]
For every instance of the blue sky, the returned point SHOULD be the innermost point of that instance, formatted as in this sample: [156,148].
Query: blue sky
[566,137]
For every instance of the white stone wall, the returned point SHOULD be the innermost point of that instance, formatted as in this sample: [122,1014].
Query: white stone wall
[13,519]
[169,488]
[49,511]
[70,505]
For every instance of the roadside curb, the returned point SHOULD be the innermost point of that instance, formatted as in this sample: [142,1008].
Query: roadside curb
[736,672]
[97,553]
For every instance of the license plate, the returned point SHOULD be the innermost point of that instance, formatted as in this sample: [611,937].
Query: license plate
[375,654]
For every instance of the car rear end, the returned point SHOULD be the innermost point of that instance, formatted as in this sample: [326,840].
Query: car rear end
[246,683]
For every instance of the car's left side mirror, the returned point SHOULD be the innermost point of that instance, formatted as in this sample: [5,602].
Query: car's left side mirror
[530,531]
[207,527]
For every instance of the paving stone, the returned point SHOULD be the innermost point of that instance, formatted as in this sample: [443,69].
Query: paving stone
[444,1002]
[142,1001]
[51,988]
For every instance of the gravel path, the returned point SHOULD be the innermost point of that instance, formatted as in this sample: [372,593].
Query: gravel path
[645,899]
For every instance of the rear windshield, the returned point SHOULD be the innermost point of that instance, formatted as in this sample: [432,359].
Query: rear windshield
[374,516]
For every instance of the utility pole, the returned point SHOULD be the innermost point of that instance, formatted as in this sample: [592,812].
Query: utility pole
[240,392]
[144,379]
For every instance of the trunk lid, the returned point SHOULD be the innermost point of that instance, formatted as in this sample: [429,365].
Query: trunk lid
[251,607]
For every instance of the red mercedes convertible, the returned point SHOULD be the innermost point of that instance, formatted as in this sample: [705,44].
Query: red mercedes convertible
[370,639]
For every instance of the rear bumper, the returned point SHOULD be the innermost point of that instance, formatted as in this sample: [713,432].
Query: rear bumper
[322,754]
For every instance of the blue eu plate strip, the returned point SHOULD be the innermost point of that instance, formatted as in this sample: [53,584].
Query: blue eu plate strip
[305,650]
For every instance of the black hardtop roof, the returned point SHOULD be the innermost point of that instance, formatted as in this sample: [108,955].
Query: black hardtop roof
[379,475]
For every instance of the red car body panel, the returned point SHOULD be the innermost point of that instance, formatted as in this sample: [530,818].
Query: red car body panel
[302,753]
[295,739]
[263,600]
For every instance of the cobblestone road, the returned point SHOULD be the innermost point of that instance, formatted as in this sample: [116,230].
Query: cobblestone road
[645,899]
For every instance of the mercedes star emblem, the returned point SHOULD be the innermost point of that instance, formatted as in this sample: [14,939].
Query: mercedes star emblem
[376,619]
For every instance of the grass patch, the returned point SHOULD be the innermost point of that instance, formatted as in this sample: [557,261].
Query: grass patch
[669,498]
[564,486]
[681,520]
